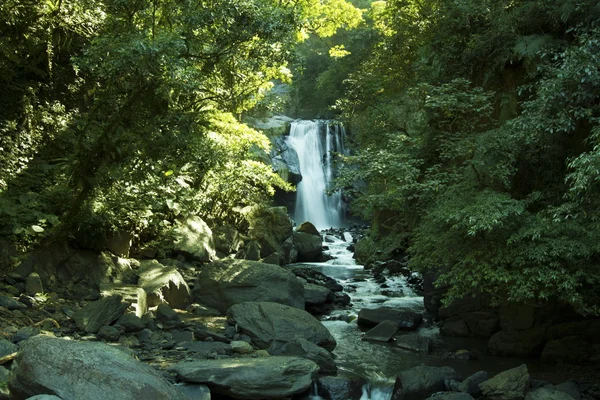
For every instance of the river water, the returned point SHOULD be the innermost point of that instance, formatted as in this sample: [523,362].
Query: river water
[379,363]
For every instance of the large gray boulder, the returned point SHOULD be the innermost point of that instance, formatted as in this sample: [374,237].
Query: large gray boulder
[419,382]
[507,385]
[224,283]
[251,378]
[98,313]
[194,239]
[273,324]
[406,320]
[164,284]
[84,370]
[309,246]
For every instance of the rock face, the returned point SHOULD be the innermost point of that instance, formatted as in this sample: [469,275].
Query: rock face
[194,239]
[164,284]
[507,385]
[222,284]
[272,324]
[78,370]
[419,382]
[251,378]
[406,320]
[98,313]
[310,247]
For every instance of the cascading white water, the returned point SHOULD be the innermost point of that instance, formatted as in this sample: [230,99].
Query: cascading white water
[314,151]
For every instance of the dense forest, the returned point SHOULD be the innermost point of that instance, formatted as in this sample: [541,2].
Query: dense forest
[475,126]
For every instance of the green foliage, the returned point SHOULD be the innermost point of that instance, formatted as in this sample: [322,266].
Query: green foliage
[477,127]
[123,116]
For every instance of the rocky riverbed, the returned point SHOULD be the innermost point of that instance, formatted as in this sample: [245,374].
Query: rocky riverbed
[230,328]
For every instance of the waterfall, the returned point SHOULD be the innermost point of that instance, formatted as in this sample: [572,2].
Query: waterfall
[314,147]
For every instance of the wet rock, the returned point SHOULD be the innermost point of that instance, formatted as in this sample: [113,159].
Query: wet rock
[276,324]
[98,313]
[310,247]
[548,394]
[315,295]
[109,333]
[414,342]
[303,348]
[383,332]
[422,381]
[221,284]
[507,385]
[339,387]
[91,371]
[7,347]
[33,284]
[194,239]
[11,304]
[251,378]
[406,320]
[164,284]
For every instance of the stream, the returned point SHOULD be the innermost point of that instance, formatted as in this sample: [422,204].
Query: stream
[378,363]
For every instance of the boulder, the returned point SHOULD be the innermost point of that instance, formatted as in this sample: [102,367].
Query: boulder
[250,378]
[545,393]
[454,326]
[340,387]
[109,333]
[251,251]
[414,342]
[227,239]
[316,294]
[168,316]
[133,294]
[11,304]
[528,342]
[471,384]
[481,323]
[33,284]
[507,385]
[224,283]
[307,227]
[207,349]
[98,313]
[84,370]
[194,239]
[288,253]
[571,388]
[163,284]
[406,320]
[241,347]
[571,349]
[303,348]
[130,323]
[310,247]
[419,382]
[272,324]
[383,332]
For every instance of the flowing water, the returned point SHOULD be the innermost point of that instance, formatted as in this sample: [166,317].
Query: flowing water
[315,142]
[378,363]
